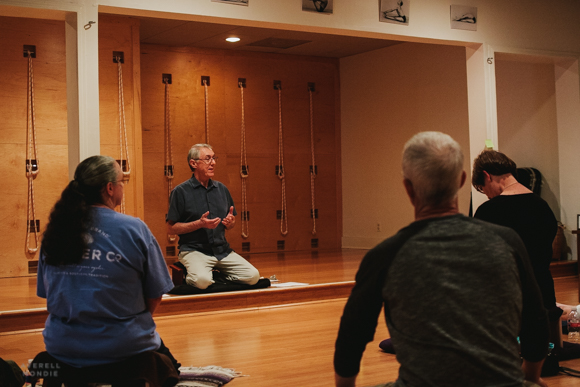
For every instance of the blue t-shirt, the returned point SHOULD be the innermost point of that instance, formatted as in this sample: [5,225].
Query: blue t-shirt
[97,309]
[188,202]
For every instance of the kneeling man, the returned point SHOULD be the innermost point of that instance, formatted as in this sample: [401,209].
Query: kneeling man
[200,212]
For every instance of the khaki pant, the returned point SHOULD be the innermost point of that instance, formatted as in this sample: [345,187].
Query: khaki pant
[234,267]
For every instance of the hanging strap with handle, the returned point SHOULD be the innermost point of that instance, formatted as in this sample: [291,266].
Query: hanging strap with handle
[313,166]
[168,150]
[284,214]
[123,144]
[205,88]
[244,169]
[32,167]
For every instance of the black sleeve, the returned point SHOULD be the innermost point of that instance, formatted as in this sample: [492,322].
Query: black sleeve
[534,332]
[359,319]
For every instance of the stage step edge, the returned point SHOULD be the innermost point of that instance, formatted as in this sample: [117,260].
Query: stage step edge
[173,305]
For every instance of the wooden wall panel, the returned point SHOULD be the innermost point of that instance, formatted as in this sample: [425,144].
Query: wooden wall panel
[51,124]
[118,33]
[187,100]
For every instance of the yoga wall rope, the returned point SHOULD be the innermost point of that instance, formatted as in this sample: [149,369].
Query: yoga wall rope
[32,167]
[205,86]
[284,215]
[168,150]
[123,145]
[313,166]
[244,169]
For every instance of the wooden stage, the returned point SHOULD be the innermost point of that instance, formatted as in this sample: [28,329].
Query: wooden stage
[277,336]
[329,275]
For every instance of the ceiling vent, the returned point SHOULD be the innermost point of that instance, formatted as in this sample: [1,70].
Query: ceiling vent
[278,43]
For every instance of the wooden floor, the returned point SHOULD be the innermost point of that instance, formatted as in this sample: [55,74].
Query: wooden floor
[286,345]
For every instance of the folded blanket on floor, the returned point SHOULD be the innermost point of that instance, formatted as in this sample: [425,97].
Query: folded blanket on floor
[219,287]
[209,376]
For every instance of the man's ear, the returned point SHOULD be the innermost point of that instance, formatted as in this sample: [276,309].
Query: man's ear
[463,178]
[192,164]
[410,190]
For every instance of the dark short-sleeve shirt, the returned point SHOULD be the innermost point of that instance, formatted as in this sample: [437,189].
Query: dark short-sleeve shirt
[188,202]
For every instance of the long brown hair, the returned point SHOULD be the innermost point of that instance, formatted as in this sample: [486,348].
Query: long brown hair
[65,239]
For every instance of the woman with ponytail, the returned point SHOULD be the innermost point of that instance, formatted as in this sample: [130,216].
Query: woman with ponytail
[101,272]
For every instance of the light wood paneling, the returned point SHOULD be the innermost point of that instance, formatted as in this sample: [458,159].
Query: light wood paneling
[187,99]
[121,34]
[51,125]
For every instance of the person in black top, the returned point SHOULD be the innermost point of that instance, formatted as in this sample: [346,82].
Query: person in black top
[513,205]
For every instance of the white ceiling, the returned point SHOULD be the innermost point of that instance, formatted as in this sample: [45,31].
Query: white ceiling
[181,33]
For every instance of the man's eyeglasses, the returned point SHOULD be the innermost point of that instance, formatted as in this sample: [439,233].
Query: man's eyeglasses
[208,160]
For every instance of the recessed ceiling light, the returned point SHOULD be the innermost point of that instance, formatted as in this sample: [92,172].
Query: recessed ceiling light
[233,39]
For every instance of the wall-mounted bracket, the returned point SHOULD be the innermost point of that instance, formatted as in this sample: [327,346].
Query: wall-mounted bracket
[166,78]
[32,267]
[205,80]
[31,165]
[311,86]
[314,243]
[34,225]
[279,214]
[169,170]
[122,164]
[315,169]
[242,82]
[118,56]
[29,50]
[314,214]
[277,85]
[281,245]
[246,215]
[279,170]
[245,247]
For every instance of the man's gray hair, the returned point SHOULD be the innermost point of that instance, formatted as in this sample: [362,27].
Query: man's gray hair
[194,152]
[433,162]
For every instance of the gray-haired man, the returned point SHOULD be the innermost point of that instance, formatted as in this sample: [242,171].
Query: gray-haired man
[457,292]
[200,211]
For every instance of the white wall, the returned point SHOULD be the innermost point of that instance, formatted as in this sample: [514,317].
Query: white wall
[527,125]
[531,132]
[387,96]
[568,118]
